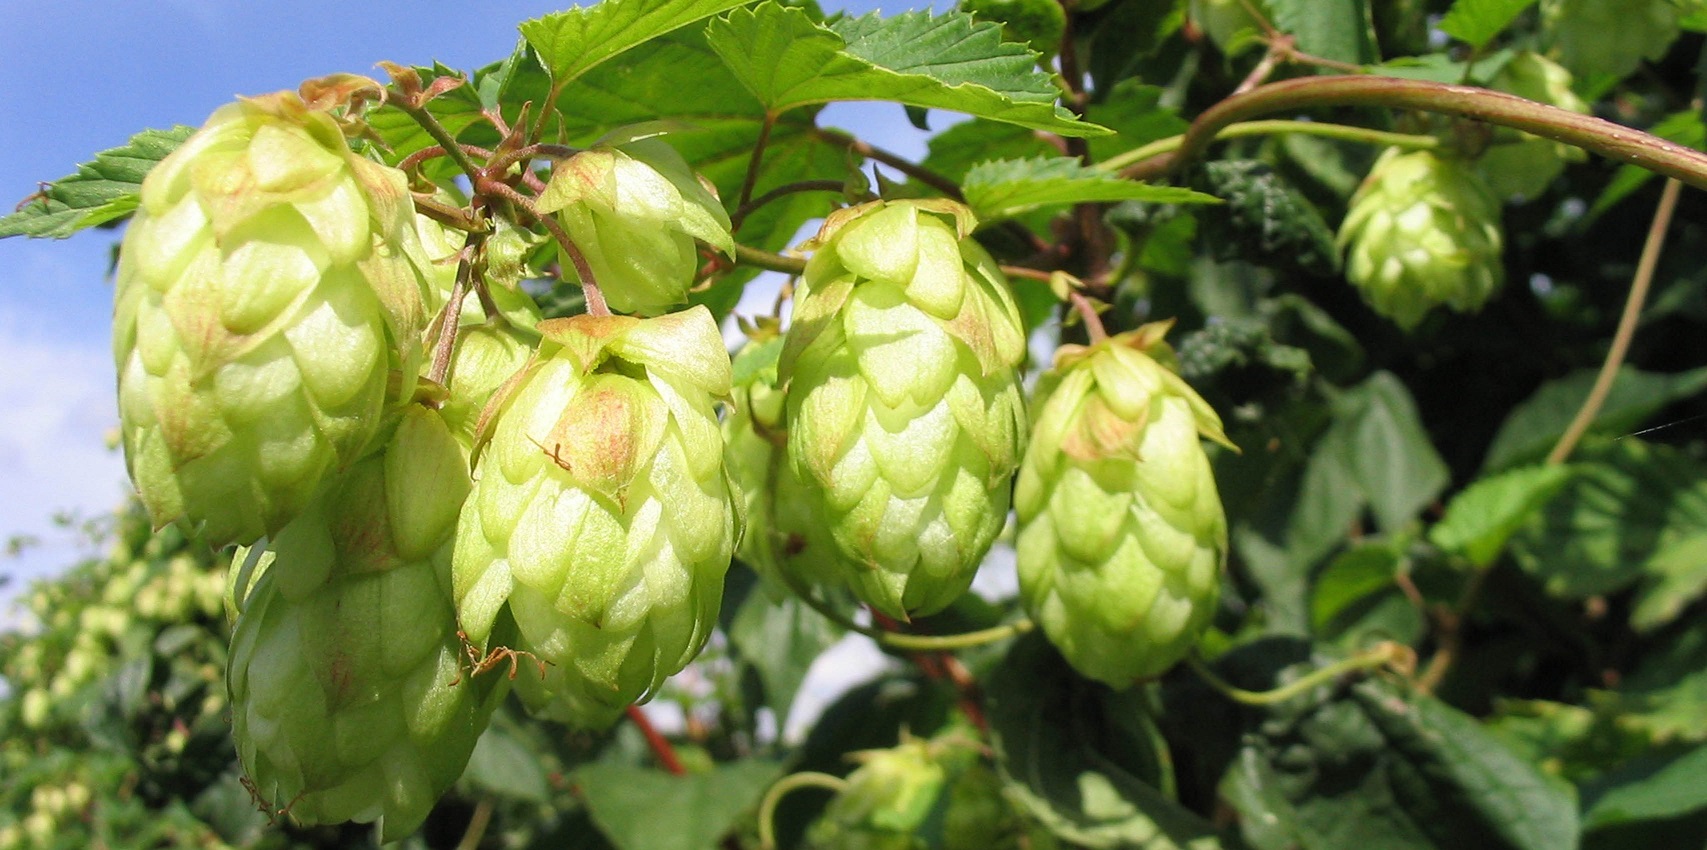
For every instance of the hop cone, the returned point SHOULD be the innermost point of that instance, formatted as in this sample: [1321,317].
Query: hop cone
[602,520]
[1600,38]
[784,539]
[905,417]
[268,283]
[634,210]
[349,701]
[1422,230]
[1518,164]
[887,800]
[1121,533]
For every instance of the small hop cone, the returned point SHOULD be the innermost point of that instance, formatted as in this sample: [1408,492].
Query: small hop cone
[634,210]
[784,540]
[350,697]
[887,800]
[905,417]
[268,284]
[602,519]
[1422,230]
[1519,165]
[1121,533]
[1608,38]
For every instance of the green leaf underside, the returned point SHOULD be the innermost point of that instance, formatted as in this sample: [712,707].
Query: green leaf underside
[640,808]
[1536,424]
[950,61]
[102,190]
[1003,188]
[574,41]
[1476,22]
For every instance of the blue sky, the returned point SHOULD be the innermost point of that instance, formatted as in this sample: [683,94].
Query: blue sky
[82,77]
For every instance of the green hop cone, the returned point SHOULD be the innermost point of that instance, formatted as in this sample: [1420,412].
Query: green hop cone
[634,210]
[488,354]
[602,520]
[905,417]
[784,540]
[1121,533]
[886,802]
[1422,230]
[349,696]
[1608,38]
[1519,165]
[269,282]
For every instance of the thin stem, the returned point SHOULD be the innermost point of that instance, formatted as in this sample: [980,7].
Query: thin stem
[445,214]
[1639,286]
[767,260]
[1088,312]
[1027,273]
[1244,129]
[477,824]
[752,176]
[448,321]
[747,208]
[904,642]
[661,748]
[414,160]
[596,305]
[782,788]
[446,141]
[1376,658]
[893,160]
[552,152]
[1603,137]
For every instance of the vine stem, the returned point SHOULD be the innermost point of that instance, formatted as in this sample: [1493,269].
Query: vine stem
[782,788]
[893,160]
[1603,137]
[752,176]
[767,260]
[1633,303]
[1375,658]
[909,642]
[747,208]
[476,826]
[596,305]
[661,748]
[1088,313]
[446,141]
[1269,127]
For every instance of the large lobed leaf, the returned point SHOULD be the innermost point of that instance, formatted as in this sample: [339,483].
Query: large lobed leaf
[1476,22]
[1004,188]
[951,61]
[574,41]
[101,191]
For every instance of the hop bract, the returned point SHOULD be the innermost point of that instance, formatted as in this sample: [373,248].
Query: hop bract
[602,519]
[886,802]
[1121,533]
[784,539]
[268,283]
[1422,230]
[1518,164]
[634,210]
[904,412]
[350,694]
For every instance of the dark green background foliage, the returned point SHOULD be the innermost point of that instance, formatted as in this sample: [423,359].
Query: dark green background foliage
[1392,486]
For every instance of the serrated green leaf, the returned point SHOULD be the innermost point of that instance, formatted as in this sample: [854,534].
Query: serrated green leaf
[1626,504]
[1654,788]
[1356,597]
[643,809]
[501,764]
[955,150]
[949,61]
[1005,188]
[1078,757]
[1677,577]
[102,190]
[1480,520]
[1341,30]
[1476,22]
[1538,422]
[1388,450]
[1134,111]
[574,41]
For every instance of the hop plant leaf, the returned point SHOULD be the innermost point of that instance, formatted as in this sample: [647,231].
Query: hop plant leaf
[269,283]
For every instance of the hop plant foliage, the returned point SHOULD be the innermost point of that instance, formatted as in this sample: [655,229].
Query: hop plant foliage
[905,417]
[1423,230]
[1518,164]
[269,283]
[1122,537]
[602,519]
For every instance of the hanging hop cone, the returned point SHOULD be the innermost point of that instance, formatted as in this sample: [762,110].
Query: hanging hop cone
[1121,533]
[1422,230]
[1608,38]
[602,520]
[905,417]
[784,539]
[352,696]
[268,283]
[886,802]
[1517,164]
[634,211]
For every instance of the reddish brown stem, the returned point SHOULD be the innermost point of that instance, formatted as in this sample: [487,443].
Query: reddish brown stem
[945,667]
[661,748]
